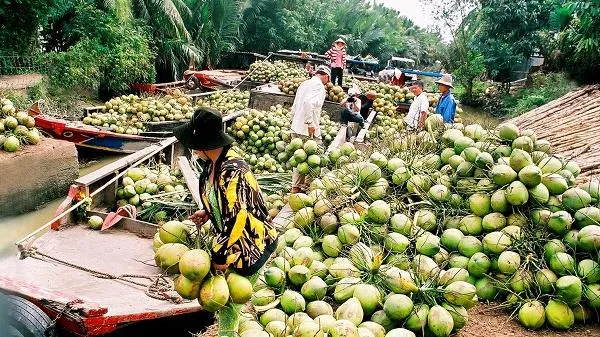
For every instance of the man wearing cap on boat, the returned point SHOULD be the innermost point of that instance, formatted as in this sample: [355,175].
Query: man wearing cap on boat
[244,236]
[447,104]
[337,58]
[306,115]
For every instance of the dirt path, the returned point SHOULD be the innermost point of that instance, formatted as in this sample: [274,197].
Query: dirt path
[485,321]
[18,82]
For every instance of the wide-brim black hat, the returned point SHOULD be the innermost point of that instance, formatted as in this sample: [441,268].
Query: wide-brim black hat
[204,131]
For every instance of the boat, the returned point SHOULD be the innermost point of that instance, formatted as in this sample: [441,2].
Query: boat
[90,282]
[94,138]
[87,136]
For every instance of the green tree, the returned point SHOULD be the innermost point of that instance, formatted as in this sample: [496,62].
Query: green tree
[19,25]
[509,32]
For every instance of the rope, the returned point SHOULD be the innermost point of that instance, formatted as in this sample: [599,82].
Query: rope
[160,286]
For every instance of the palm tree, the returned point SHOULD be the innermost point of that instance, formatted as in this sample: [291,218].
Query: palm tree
[214,27]
[165,20]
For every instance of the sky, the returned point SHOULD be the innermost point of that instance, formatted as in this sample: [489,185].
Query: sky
[419,11]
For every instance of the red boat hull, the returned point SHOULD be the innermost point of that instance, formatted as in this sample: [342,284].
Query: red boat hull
[91,137]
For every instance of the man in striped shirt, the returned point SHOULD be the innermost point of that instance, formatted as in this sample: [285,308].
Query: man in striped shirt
[337,59]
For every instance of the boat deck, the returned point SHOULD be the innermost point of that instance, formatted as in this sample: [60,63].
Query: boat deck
[115,251]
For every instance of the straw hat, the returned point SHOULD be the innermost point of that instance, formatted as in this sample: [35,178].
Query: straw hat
[340,41]
[446,80]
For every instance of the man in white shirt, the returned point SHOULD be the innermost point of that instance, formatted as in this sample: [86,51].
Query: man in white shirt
[306,114]
[417,113]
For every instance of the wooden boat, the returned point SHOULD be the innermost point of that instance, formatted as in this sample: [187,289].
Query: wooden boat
[218,79]
[94,282]
[89,137]
[97,139]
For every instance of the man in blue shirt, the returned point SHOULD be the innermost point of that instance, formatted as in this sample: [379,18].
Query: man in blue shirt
[447,104]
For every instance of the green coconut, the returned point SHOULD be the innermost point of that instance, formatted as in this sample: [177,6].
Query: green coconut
[509,262]
[168,256]
[450,238]
[439,321]
[503,174]
[498,201]
[591,292]
[480,204]
[493,222]
[555,183]
[479,264]
[520,159]
[292,302]
[532,315]
[417,320]
[401,223]
[589,238]
[379,212]
[540,217]
[530,175]
[575,199]
[484,160]
[550,165]
[524,143]
[469,245]
[562,264]
[540,194]
[427,244]
[508,131]
[314,289]
[517,194]
[348,234]
[569,289]
[299,274]
[485,289]
[381,318]
[471,225]
[459,315]
[546,279]
[589,271]
[214,293]
[460,293]
[461,143]
[560,222]
[350,310]
[425,219]
[396,242]
[398,306]
[452,275]
[587,216]
[559,315]
[496,242]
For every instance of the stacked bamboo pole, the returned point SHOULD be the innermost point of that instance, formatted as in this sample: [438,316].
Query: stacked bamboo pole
[572,125]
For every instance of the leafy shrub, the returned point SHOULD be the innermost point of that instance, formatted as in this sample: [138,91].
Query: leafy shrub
[108,56]
[544,87]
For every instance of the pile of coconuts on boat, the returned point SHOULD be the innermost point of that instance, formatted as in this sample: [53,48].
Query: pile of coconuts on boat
[404,239]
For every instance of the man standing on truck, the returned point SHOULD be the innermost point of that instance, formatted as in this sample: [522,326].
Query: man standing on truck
[306,115]
[337,58]
[231,198]
[417,113]
[447,104]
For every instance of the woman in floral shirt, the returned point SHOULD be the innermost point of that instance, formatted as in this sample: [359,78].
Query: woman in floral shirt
[244,234]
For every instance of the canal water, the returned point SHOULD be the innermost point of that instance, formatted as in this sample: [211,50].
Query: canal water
[16,227]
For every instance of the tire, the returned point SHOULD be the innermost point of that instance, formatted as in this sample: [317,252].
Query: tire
[192,83]
[24,319]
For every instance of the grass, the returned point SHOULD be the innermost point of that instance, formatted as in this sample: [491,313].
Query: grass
[59,102]
[545,88]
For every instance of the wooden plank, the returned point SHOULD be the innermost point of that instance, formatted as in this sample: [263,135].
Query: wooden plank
[191,179]
[339,139]
[124,162]
[361,135]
